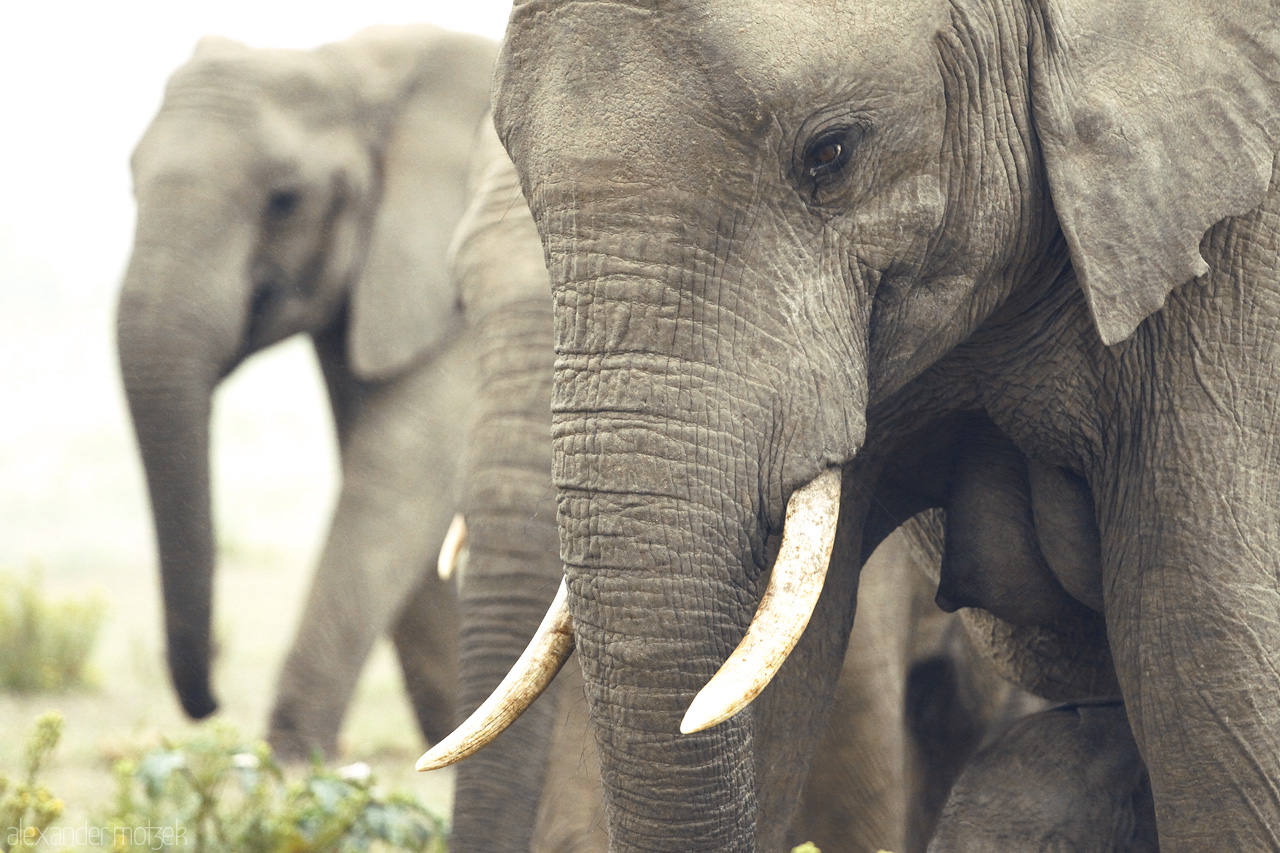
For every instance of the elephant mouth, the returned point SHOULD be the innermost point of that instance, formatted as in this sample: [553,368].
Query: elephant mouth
[785,609]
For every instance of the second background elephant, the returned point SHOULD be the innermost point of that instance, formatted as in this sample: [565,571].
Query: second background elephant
[286,191]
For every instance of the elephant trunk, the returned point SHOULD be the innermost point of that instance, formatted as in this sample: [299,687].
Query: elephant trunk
[655,554]
[687,410]
[175,341]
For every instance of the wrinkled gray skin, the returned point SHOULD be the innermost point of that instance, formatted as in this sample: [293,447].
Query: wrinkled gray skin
[913,700]
[284,191]
[1066,779]
[784,237]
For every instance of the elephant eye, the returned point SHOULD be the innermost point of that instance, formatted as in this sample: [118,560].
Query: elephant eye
[282,204]
[827,155]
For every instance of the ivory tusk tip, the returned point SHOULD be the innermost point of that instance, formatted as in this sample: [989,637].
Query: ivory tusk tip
[709,708]
[532,672]
[693,722]
[430,762]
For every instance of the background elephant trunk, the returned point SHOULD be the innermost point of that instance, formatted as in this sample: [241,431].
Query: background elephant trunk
[173,349]
[511,573]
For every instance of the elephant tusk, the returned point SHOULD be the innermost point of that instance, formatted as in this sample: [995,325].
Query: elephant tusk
[454,541]
[794,586]
[542,659]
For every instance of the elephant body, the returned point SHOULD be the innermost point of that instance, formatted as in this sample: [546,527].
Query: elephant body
[913,701]
[285,191]
[1016,260]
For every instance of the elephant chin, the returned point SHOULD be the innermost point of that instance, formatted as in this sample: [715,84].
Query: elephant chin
[785,609]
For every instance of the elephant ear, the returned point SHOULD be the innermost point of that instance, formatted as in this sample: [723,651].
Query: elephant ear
[1156,121]
[404,302]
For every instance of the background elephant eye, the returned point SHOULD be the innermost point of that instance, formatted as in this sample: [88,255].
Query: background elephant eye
[282,204]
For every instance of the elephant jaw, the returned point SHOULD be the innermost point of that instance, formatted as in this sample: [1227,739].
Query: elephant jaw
[788,602]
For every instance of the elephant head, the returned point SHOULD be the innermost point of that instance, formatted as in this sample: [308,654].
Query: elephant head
[284,191]
[765,225]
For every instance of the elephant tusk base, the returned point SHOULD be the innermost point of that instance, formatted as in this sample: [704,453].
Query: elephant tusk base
[785,608]
[454,541]
[537,666]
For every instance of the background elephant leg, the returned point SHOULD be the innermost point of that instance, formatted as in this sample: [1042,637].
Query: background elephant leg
[955,702]
[401,449]
[425,635]
[1069,778]
[856,796]
[571,814]
[913,703]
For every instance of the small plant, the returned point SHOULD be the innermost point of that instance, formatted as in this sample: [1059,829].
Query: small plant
[44,644]
[27,807]
[213,793]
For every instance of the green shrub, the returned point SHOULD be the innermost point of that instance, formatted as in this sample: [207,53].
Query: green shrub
[27,807]
[44,644]
[213,793]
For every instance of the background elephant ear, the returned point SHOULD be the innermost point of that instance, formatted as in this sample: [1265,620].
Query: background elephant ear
[1156,121]
[404,302]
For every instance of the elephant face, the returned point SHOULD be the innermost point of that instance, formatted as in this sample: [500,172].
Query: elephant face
[288,188]
[284,191]
[760,222]
[820,206]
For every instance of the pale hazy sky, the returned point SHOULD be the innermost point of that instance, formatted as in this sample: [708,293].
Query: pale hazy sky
[79,82]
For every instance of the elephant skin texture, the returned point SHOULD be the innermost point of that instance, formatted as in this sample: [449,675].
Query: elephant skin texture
[1066,779]
[1017,260]
[913,701]
[286,191]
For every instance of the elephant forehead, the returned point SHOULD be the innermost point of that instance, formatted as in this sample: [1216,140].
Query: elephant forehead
[747,62]
[233,85]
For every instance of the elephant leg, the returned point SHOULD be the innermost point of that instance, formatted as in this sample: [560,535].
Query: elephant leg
[1189,535]
[1193,617]
[401,448]
[856,796]
[425,635]
[571,814]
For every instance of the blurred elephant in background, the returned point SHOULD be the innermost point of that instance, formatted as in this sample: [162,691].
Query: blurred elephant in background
[285,191]
[1066,779]
[914,699]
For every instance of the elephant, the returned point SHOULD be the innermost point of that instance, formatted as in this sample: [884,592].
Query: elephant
[287,191]
[1066,779]
[819,267]
[914,699]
